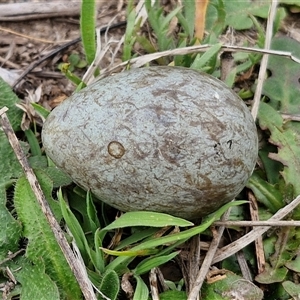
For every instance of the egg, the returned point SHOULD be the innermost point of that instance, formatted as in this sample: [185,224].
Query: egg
[163,139]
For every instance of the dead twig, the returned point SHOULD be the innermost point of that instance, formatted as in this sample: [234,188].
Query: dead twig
[251,236]
[73,262]
[258,223]
[259,246]
[37,10]
[195,289]
[264,61]
[145,59]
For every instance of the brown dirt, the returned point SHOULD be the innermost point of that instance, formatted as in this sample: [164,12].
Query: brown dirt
[25,42]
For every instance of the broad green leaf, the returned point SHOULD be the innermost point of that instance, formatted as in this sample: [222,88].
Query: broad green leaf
[10,232]
[237,12]
[282,87]
[110,285]
[152,262]
[271,275]
[287,139]
[266,193]
[290,2]
[9,99]
[59,178]
[141,292]
[231,286]
[36,284]
[173,295]
[41,240]
[294,264]
[292,288]
[146,218]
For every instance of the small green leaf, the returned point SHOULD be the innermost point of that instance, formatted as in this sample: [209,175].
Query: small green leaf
[203,59]
[141,292]
[271,275]
[58,177]
[294,264]
[99,262]
[266,193]
[41,110]
[146,218]
[110,284]
[92,213]
[33,143]
[292,288]
[153,262]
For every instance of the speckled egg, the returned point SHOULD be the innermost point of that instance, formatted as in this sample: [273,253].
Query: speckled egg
[164,139]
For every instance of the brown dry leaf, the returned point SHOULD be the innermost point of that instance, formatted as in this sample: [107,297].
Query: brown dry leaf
[201,7]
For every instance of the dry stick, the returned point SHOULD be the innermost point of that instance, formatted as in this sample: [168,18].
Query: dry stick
[264,61]
[28,11]
[194,293]
[254,111]
[153,284]
[259,247]
[251,236]
[83,281]
[258,223]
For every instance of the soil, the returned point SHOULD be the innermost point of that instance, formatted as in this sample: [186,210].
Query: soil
[25,42]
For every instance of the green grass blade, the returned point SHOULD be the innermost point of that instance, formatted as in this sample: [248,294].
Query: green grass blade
[136,237]
[189,16]
[147,218]
[42,111]
[87,29]
[141,291]
[74,227]
[129,33]
[177,237]
[202,60]
[99,262]
[33,142]
[92,213]
[152,262]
